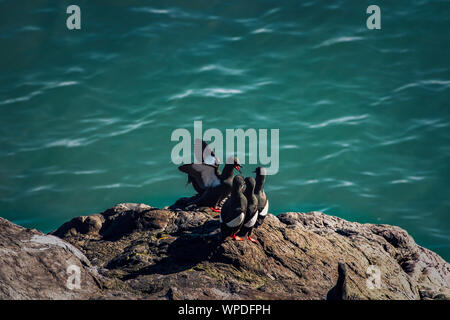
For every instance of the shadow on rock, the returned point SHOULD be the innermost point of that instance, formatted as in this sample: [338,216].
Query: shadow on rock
[185,252]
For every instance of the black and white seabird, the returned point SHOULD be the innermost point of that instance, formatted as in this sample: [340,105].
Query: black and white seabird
[211,185]
[214,195]
[251,214]
[263,202]
[233,211]
[206,173]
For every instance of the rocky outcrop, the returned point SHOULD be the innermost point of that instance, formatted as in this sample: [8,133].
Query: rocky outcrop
[38,266]
[135,251]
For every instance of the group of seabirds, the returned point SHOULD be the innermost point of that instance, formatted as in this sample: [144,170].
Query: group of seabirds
[242,203]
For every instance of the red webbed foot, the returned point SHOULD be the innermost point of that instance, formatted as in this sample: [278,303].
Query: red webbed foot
[236,238]
[252,240]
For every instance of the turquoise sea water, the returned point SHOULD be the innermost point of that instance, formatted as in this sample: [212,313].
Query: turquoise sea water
[86,116]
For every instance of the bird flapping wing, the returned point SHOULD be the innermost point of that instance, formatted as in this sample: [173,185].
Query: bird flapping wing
[204,175]
[204,154]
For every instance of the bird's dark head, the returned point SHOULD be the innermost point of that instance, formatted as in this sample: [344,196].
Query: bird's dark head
[342,270]
[236,163]
[238,183]
[250,184]
[260,171]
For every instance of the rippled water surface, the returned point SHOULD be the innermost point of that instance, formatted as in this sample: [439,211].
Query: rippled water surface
[86,116]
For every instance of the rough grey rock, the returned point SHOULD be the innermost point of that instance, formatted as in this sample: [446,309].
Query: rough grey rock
[35,266]
[141,252]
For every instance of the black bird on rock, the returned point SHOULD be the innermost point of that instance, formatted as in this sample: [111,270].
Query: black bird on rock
[212,186]
[233,211]
[251,214]
[206,173]
[263,202]
[215,196]
[339,291]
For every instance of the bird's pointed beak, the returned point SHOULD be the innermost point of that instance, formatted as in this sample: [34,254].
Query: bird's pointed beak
[237,168]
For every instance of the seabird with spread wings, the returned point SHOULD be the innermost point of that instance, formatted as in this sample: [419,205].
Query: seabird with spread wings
[211,185]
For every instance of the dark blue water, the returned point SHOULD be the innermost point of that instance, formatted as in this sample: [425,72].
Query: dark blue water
[86,116]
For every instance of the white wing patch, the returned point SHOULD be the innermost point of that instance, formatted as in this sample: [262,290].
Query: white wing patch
[264,211]
[210,160]
[208,174]
[236,221]
[204,155]
[252,221]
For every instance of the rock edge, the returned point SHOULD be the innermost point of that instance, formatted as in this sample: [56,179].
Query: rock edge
[135,251]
